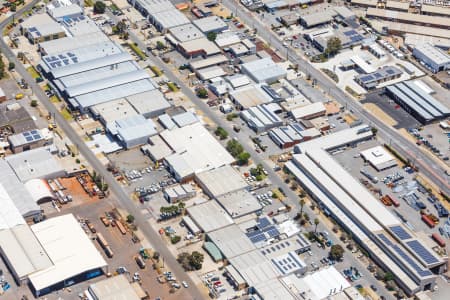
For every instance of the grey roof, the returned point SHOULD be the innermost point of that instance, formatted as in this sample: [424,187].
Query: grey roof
[231,241]
[68,43]
[148,102]
[221,181]
[167,121]
[135,127]
[155,6]
[318,18]
[209,24]
[116,287]
[239,203]
[170,18]
[34,164]
[186,32]
[104,83]
[184,119]
[26,137]
[65,10]
[118,91]
[263,69]
[209,216]
[434,54]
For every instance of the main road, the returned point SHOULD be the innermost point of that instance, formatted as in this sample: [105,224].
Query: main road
[122,198]
[427,166]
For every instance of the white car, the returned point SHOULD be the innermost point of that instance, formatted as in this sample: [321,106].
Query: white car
[185,284]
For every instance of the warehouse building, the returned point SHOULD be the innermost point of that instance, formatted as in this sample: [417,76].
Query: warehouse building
[187,32]
[397,5]
[379,158]
[195,150]
[434,10]
[156,149]
[60,12]
[433,57]
[365,3]
[26,141]
[264,70]
[310,111]
[262,117]
[150,104]
[174,194]
[116,287]
[409,18]
[227,38]
[209,216]
[161,13]
[417,102]
[113,110]
[273,289]
[199,47]
[231,241]
[209,73]
[239,203]
[249,96]
[40,28]
[132,131]
[371,80]
[210,24]
[290,135]
[220,181]
[316,19]
[389,243]
[208,62]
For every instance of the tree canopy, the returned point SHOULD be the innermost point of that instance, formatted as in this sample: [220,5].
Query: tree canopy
[99,7]
[334,45]
[336,252]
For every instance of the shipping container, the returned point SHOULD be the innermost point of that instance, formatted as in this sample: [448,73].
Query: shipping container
[438,239]
[121,227]
[428,221]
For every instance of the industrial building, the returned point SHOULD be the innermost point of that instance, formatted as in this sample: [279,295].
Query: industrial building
[41,27]
[310,111]
[59,11]
[434,10]
[290,135]
[184,33]
[116,287]
[389,243]
[195,150]
[26,140]
[132,131]
[150,104]
[264,70]
[379,158]
[231,241]
[372,80]
[210,24]
[226,39]
[239,203]
[249,96]
[433,57]
[319,18]
[178,193]
[417,102]
[409,18]
[262,117]
[199,47]
[220,181]
[209,216]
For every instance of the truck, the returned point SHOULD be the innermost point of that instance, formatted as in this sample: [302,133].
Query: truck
[386,200]
[428,221]
[105,246]
[372,178]
[121,227]
[438,239]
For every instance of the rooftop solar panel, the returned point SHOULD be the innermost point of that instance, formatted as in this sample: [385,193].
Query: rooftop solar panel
[422,272]
[28,138]
[422,252]
[367,78]
[273,232]
[350,32]
[263,222]
[400,233]
[26,133]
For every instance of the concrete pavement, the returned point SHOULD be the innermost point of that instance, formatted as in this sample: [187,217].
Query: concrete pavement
[122,198]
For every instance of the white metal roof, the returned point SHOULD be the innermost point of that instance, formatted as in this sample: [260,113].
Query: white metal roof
[308,110]
[434,54]
[209,216]
[210,61]
[68,43]
[211,23]
[239,203]
[35,163]
[9,214]
[68,247]
[186,32]
[170,18]
[201,44]
[273,289]
[148,102]
[263,69]
[113,288]
[378,156]
[231,241]
[221,180]
[39,190]
[114,110]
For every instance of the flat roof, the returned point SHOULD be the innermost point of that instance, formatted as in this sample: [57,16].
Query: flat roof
[149,102]
[209,216]
[239,203]
[65,10]
[404,6]
[308,110]
[254,267]
[273,289]
[378,156]
[435,9]
[410,28]
[221,180]
[231,241]
[186,33]
[25,138]
[170,18]
[211,23]
[210,61]
[135,127]
[318,18]
[185,118]
[227,38]
[114,110]
[67,43]
[433,53]
[34,164]
[408,17]
[201,44]
[113,288]
[157,148]
[196,150]
[372,3]
[210,72]
[154,6]
[263,69]
[250,95]
[69,248]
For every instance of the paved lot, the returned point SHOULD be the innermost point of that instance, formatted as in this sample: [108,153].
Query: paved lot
[386,104]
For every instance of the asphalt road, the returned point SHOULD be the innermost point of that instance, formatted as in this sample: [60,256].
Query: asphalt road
[428,166]
[122,198]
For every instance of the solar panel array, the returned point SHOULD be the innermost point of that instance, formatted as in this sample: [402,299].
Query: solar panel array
[287,264]
[401,233]
[421,271]
[60,60]
[263,234]
[422,252]
[31,136]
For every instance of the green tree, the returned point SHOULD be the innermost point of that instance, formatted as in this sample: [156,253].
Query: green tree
[316,222]
[202,93]
[13,7]
[302,203]
[156,255]
[175,239]
[130,218]
[196,260]
[99,7]
[374,130]
[336,252]
[33,103]
[2,67]
[211,36]
[160,45]
[234,147]
[243,158]
[306,217]
[388,276]
[11,66]
[221,133]
[334,45]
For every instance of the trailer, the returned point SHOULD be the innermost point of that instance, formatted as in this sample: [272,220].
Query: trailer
[428,221]
[438,239]
[101,240]
[121,227]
